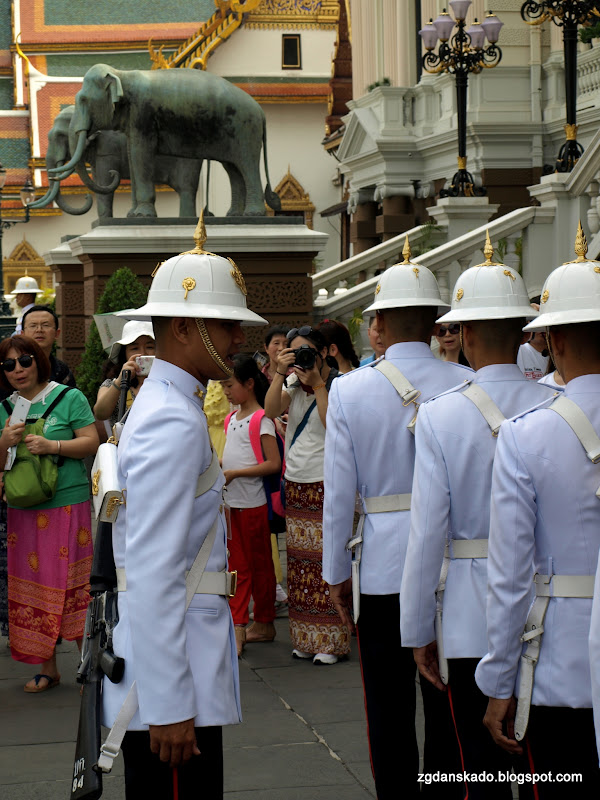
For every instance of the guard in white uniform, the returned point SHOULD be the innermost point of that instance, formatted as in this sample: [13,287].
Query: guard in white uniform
[545,525]
[25,291]
[449,522]
[184,664]
[369,450]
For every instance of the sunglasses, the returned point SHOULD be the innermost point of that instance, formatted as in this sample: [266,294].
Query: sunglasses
[25,361]
[453,329]
[305,330]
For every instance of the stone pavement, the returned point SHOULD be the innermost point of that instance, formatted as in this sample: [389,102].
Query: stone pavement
[303,734]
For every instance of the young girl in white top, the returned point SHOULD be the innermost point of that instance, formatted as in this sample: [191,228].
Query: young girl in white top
[250,544]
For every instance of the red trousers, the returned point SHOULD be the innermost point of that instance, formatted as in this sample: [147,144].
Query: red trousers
[251,555]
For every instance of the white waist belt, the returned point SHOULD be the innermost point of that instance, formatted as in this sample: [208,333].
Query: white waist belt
[387,502]
[223,583]
[467,548]
[564,585]
[546,586]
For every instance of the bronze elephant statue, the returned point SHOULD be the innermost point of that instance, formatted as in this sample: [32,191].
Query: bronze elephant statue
[106,153]
[181,113]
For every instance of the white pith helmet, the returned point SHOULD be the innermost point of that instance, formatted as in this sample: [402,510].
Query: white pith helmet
[132,330]
[27,285]
[197,284]
[407,285]
[571,293]
[489,291]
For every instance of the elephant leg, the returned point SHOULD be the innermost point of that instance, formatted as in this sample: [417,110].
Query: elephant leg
[104,202]
[141,170]
[187,188]
[238,190]
[255,202]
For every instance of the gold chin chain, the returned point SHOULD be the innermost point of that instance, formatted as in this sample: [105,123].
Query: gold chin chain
[461,338]
[211,349]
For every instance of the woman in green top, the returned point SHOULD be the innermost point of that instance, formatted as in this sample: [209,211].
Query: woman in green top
[49,545]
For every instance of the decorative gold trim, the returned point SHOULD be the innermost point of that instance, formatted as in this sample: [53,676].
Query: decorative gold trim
[416,271]
[545,296]
[113,503]
[96,483]
[571,131]
[509,274]
[195,51]
[462,162]
[293,198]
[460,294]
[237,276]
[156,268]
[285,13]
[377,289]
[211,349]
[189,284]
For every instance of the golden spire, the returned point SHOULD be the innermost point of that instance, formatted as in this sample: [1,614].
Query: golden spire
[581,246]
[406,252]
[488,250]
[200,239]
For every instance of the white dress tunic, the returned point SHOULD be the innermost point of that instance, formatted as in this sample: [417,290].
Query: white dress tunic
[184,663]
[545,518]
[451,501]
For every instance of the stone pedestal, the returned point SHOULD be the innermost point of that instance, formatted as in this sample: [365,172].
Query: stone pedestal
[68,277]
[462,214]
[275,256]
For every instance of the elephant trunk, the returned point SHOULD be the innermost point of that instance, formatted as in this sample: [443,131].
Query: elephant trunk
[69,209]
[67,169]
[96,187]
[48,197]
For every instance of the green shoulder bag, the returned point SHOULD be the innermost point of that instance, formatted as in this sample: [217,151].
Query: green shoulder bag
[32,479]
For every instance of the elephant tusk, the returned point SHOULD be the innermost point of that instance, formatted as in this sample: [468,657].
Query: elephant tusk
[48,197]
[67,169]
[96,187]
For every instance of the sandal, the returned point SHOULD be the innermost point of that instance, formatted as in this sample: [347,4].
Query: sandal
[260,632]
[50,684]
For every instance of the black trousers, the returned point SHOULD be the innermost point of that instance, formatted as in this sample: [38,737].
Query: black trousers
[562,740]
[389,678]
[148,778]
[479,751]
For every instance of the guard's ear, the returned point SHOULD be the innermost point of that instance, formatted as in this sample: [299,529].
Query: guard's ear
[115,85]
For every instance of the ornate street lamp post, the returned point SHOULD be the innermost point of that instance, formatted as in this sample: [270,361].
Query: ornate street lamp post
[460,55]
[567,14]
[27,193]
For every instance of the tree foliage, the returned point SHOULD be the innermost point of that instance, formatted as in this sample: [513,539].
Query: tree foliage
[123,290]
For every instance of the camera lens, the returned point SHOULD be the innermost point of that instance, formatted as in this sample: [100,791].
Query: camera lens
[305,357]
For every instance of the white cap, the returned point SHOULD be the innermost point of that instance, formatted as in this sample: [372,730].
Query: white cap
[197,284]
[489,291]
[27,285]
[407,285]
[131,331]
[572,292]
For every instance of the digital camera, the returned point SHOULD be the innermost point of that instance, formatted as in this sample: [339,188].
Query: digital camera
[306,356]
[144,364]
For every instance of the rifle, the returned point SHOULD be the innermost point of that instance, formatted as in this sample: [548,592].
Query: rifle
[97,657]
[97,660]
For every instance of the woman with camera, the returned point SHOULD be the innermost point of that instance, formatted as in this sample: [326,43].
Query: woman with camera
[137,340]
[49,542]
[316,629]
